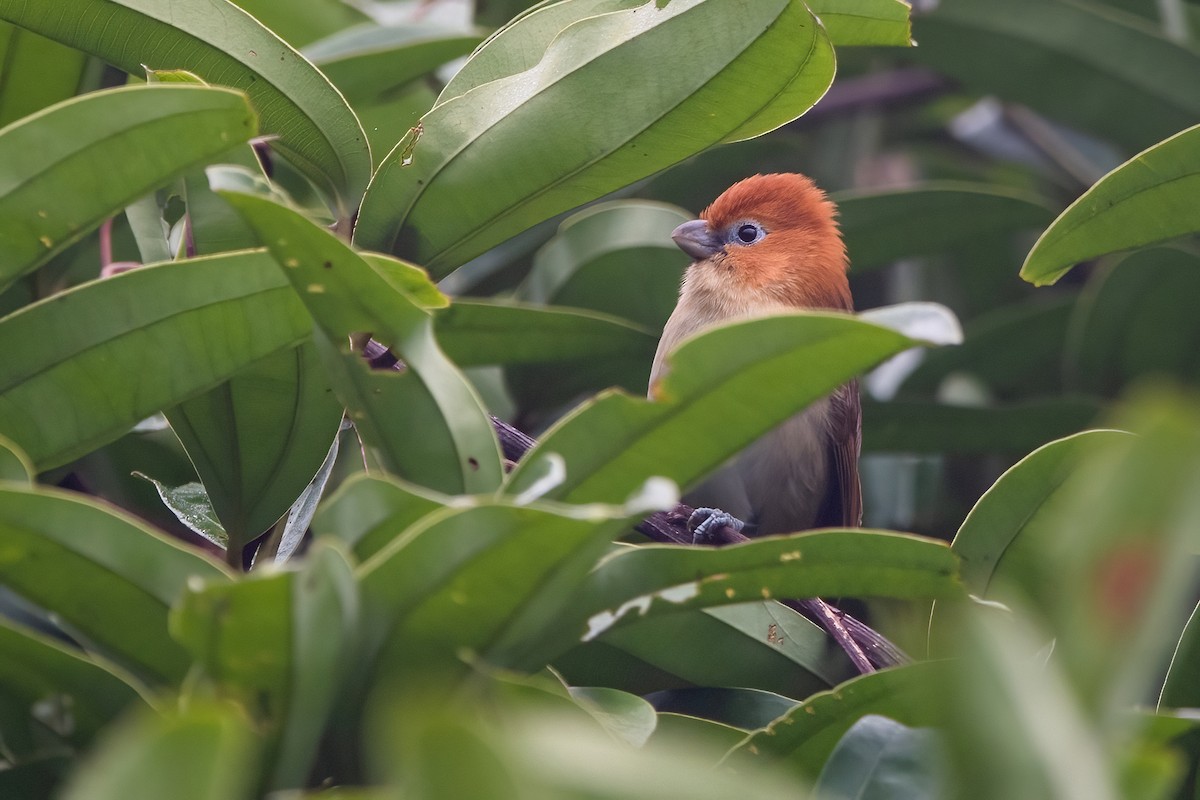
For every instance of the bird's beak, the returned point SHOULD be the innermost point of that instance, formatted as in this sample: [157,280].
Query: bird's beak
[697,240]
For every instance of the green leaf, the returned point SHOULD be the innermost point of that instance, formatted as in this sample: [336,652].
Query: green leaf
[475,332]
[367,512]
[805,738]
[284,541]
[625,715]
[14,464]
[112,586]
[879,758]
[320,18]
[487,579]
[279,645]
[935,428]
[587,69]
[1004,678]
[1148,199]
[734,374]
[1180,689]
[521,42]
[222,44]
[204,752]
[1060,58]
[258,440]
[1117,570]
[777,651]
[865,22]
[616,258]
[57,687]
[191,505]
[1135,321]
[428,423]
[881,226]
[1098,549]
[369,61]
[87,364]
[748,709]
[37,73]
[995,538]
[661,579]
[76,163]
[457,752]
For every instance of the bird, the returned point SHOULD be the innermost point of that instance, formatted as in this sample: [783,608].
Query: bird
[771,244]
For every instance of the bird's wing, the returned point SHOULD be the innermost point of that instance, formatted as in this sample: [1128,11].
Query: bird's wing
[843,506]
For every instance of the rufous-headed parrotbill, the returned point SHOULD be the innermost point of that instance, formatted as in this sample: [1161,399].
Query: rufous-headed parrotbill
[771,244]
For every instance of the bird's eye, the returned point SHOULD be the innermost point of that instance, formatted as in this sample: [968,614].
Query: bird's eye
[749,233]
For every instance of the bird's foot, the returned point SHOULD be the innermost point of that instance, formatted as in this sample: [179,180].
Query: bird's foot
[706,523]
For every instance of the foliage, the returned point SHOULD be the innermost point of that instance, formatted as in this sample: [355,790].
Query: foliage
[235,561]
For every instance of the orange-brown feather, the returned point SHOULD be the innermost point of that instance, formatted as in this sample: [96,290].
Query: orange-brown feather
[802,260]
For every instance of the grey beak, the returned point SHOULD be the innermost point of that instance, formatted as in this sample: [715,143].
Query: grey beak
[697,240]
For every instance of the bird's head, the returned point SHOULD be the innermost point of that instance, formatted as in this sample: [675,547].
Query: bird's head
[774,237]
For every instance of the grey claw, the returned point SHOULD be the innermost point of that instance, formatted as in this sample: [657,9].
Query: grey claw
[705,522]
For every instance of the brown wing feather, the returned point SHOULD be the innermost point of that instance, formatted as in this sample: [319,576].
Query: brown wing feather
[843,503]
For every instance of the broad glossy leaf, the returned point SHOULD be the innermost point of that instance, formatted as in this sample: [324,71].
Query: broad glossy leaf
[36,671]
[37,72]
[455,751]
[203,752]
[617,258]
[748,709]
[882,226]
[806,737]
[1136,321]
[1003,676]
[428,423]
[488,579]
[626,716]
[1148,199]
[1118,567]
[1095,537]
[76,163]
[1078,62]
[726,388]
[777,650]
[916,426]
[106,575]
[995,539]
[1180,689]
[85,365]
[521,42]
[279,645]
[468,179]
[14,464]
[368,62]
[477,332]
[222,44]
[865,22]
[258,441]
[879,758]
[300,25]
[367,512]
[660,579]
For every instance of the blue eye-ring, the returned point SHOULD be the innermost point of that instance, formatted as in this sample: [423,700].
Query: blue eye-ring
[748,233]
